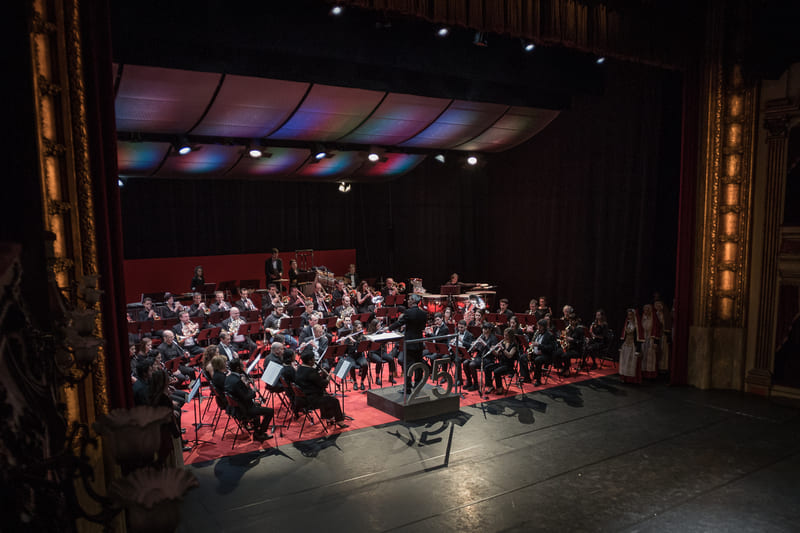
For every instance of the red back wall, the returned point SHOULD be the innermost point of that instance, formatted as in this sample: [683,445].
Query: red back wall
[174,274]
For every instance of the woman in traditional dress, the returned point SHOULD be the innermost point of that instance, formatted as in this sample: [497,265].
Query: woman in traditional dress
[630,360]
[651,328]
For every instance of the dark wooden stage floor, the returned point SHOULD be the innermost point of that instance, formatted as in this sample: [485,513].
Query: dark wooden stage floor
[594,455]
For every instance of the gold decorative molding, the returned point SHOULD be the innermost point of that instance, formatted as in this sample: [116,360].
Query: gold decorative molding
[57,207]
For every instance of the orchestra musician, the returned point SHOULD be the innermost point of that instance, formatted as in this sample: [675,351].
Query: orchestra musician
[198,307]
[226,348]
[574,336]
[357,359]
[414,319]
[314,385]
[169,349]
[316,346]
[147,313]
[437,329]
[477,319]
[507,355]
[244,303]
[448,318]
[351,277]
[483,356]
[320,300]
[270,300]
[219,303]
[543,348]
[345,310]
[294,273]
[453,279]
[185,331]
[382,355]
[307,331]
[272,325]
[463,339]
[542,309]
[273,268]
[244,394]
[232,325]
[599,337]
[198,281]
[504,308]
[364,298]
[338,292]
[513,323]
[171,308]
[284,357]
[296,301]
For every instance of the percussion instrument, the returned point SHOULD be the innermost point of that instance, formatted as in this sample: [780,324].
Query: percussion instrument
[417,284]
[434,303]
[488,297]
[460,301]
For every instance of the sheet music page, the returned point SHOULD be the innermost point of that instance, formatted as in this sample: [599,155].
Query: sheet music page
[271,374]
[387,336]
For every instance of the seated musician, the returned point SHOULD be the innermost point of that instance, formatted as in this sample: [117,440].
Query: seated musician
[532,306]
[448,318]
[148,312]
[211,351]
[383,355]
[198,307]
[226,348]
[313,385]
[185,331]
[437,329]
[239,390]
[574,339]
[316,345]
[346,309]
[232,325]
[514,325]
[280,355]
[507,355]
[270,300]
[199,280]
[169,350]
[219,303]
[244,303]
[504,310]
[321,300]
[338,292]
[294,273]
[307,332]
[272,325]
[219,366]
[542,309]
[543,347]
[143,370]
[482,345]
[599,337]
[477,319]
[364,298]
[357,359]
[389,287]
[309,311]
[171,308]
[296,301]
[463,339]
[566,312]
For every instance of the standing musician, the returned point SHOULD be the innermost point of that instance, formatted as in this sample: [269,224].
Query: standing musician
[316,346]
[186,330]
[414,319]
[231,325]
[219,303]
[543,347]
[198,307]
[357,359]
[463,339]
[239,387]
[437,329]
[244,303]
[350,277]
[483,356]
[273,268]
[313,384]
[507,355]
[294,273]
[199,280]
[382,355]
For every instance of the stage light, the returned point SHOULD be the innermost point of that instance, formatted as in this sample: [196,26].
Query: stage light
[443,32]
[472,160]
[600,60]
[320,153]
[344,187]
[439,158]
[336,10]
[120,183]
[255,151]
[528,46]
[374,157]
[480,39]
[183,146]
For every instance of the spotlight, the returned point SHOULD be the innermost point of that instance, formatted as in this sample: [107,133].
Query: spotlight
[336,10]
[600,60]
[480,39]
[183,146]
[374,157]
[528,46]
[320,155]
[120,183]
[443,32]
[344,186]
[472,160]
[439,158]
[255,151]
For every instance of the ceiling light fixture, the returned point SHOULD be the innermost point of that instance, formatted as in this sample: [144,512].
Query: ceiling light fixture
[443,31]
[336,10]
[183,146]
[344,187]
[374,157]
[440,158]
[528,46]
[472,160]
[255,151]
[600,60]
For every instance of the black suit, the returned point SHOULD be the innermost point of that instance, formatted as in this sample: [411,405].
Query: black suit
[437,332]
[546,349]
[414,319]
[244,396]
[273,273]
[313,386]
[322,346]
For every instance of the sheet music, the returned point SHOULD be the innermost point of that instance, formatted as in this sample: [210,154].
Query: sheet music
[194,390]
[272,373]
[387,336]
[343,368]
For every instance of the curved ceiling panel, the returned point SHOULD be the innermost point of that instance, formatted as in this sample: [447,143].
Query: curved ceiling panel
[162,100]
[394,165]
[461,122]
[283,162]
[251,107]
[515,127]
[341,164]
[328,113]
[211,160]
[140,158]
[398,118]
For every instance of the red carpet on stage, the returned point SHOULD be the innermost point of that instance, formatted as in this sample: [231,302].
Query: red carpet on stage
[211,444]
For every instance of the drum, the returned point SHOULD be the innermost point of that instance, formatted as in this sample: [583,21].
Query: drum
[487,297]
[433,303]
[460,301]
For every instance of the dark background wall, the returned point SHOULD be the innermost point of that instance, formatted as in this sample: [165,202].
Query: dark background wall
[585,212]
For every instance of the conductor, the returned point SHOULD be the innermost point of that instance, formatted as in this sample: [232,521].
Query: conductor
[414,319]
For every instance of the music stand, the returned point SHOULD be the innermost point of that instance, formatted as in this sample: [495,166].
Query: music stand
[525,319]
[197,419]
[342,369]
[290,324]
[328,322]
[250,284]
[450,290]
[270,377]
[208,288]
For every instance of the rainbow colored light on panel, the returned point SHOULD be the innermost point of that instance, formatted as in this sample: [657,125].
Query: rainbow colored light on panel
[395,165]
[340,164]
[139,158]
[453,127]
[514,128]
[283,161]
[210,159]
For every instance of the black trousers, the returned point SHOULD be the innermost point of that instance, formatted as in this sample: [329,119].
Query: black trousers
[412,357]
[262,417]
[382,357]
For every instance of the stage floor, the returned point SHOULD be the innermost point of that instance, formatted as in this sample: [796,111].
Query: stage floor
[594,455]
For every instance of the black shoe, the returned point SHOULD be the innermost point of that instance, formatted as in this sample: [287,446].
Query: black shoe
[378,381]
[538,383]
[362,385]
[183,430]
[391,380]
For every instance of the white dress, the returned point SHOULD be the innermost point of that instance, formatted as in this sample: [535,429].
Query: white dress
[649,349]
[630,361]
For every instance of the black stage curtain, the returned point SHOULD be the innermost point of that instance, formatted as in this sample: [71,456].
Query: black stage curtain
[585,212]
